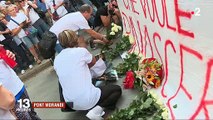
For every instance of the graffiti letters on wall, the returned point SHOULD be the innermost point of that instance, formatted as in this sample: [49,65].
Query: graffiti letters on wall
[179,34]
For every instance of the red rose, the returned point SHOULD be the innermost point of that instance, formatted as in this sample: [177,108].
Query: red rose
[129,80]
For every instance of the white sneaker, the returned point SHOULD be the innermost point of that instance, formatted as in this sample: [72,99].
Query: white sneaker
[22,71]
[96,113]
[30,66]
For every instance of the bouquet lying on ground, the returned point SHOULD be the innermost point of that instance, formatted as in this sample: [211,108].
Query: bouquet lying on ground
[149,74]
[147,106]
[141,73]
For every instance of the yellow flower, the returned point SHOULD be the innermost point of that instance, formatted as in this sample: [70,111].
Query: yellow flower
[149,77]
[112,33]
[153,68]
[131,39]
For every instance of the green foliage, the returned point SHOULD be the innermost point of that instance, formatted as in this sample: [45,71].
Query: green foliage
[121,46]
[130,63]
[142,108]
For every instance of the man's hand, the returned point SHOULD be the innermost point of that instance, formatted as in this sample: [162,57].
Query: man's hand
[104,39]
[10,55]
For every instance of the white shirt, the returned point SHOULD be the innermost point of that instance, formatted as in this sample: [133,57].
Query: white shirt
[32,14]
[12,25]
[20,17]
[6,115]
[72,21]
[71,66]
[61,10]
[9,79]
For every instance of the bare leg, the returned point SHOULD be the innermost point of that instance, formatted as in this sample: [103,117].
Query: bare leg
[35,54]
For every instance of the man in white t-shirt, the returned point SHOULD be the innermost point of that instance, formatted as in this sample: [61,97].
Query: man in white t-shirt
[12,82]
[76,21]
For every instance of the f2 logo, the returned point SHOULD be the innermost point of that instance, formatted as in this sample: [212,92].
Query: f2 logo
[197,11]
[24,103]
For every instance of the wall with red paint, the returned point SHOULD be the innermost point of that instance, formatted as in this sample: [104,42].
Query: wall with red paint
[179,33]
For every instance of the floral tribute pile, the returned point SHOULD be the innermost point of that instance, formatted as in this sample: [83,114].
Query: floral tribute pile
[140,73]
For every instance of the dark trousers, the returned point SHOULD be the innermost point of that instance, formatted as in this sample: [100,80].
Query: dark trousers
[109,96]
[11,45]
[23,113]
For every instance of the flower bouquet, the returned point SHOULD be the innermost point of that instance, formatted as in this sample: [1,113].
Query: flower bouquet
[113,31]
[150,74]
[146,106]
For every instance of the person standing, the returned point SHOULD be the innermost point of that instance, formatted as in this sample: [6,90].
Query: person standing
[12,82]
[56,7]
[16,24]
[6,40]
[36,21]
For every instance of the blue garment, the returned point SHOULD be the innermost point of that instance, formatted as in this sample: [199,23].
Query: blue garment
[8,17]
[41,6]
[18,96]
[58,48]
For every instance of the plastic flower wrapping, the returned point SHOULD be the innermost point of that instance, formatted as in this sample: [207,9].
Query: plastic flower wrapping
[151,73]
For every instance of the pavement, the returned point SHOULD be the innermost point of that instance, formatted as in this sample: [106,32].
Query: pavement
[35,70]
[42,85]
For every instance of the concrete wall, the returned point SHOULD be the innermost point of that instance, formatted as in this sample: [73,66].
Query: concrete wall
[179,34]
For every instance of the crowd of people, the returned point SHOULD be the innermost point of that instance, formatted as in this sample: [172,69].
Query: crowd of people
[22,25]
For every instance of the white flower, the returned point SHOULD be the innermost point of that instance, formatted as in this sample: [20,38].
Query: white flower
[131,39]
[154,95]
[119,28]
[116,29]
[165,115]
[159,102]
[112,33]
[113,29]
[115,25]
[112,24]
